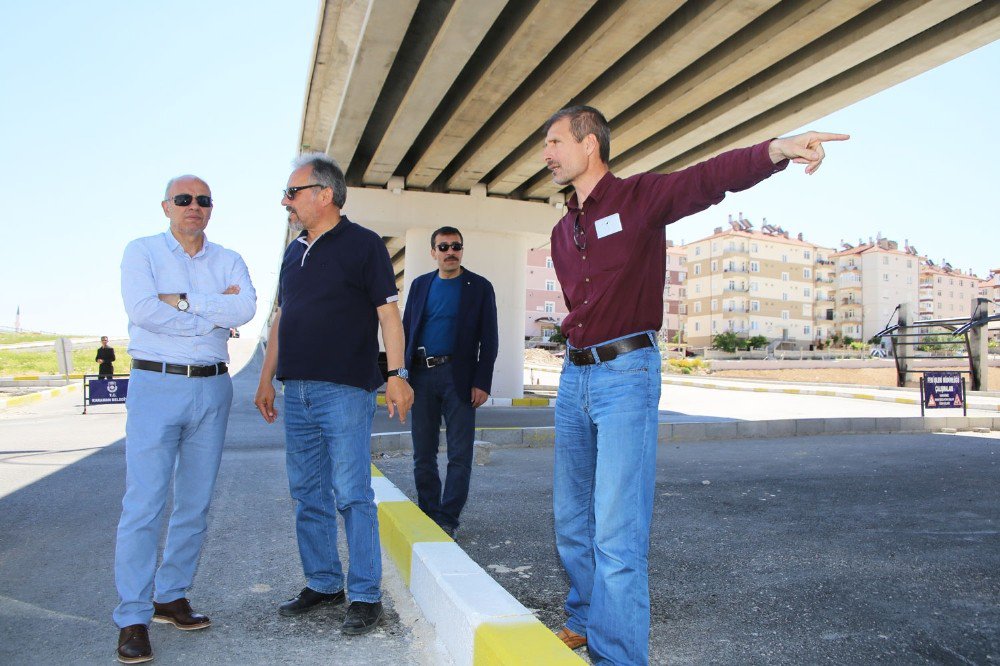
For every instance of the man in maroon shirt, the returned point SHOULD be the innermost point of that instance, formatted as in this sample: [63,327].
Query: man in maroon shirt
[609,253]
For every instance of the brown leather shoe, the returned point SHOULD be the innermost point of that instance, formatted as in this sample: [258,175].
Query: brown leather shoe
[179,614]
[572,639]
[133,644]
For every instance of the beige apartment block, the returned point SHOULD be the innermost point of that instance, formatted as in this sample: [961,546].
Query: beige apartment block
[545,306]
[991,289]
[674,294]
[946,293]
[751,282]
[872,280]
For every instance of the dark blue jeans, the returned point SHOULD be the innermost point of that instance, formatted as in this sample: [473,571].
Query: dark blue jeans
[434,396]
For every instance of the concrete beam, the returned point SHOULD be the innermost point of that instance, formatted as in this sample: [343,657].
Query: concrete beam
[543,28]
[688,35]
[827,59]
[583,61]
[377,40]
[462,31]
[977,26]
[770,40]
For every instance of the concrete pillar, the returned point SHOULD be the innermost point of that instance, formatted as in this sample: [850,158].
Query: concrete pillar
[979,346]
[497,233]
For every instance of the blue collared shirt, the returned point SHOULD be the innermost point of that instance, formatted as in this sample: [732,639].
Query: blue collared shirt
[159,332]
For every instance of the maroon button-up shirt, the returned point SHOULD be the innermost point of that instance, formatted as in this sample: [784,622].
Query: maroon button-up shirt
[614,285]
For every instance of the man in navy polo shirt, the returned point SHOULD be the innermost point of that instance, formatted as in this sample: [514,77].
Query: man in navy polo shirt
[451,347]
[609,253]
[336,288]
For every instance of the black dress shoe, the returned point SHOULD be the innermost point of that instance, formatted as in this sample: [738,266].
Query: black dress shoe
[362,617]
[133,644]
[309,599]
[180,614]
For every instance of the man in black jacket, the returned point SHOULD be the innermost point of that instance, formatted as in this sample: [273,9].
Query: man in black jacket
[451,346]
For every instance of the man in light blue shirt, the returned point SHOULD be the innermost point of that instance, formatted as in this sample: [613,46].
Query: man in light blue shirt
[182,295]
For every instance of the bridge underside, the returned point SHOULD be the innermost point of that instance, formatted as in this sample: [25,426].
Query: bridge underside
[448,96]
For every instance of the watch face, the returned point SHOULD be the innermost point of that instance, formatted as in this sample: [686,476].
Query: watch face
[182,305]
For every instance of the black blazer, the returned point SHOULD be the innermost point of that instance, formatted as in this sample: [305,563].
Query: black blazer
[476,340]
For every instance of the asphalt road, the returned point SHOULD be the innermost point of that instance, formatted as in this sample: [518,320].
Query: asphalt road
[821,550]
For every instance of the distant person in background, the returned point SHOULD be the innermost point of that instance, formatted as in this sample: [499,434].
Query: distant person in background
[105,357]
[182,295]
[451,347]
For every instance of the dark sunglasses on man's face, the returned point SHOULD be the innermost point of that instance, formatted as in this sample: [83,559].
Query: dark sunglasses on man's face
[455,247]
[292,191]
[203,200]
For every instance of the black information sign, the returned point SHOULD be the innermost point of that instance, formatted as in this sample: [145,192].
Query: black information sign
[942,390]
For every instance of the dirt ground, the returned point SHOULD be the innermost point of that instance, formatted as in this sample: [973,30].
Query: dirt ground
[863,376]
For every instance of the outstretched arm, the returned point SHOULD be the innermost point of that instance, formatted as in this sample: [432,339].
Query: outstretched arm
[804,148]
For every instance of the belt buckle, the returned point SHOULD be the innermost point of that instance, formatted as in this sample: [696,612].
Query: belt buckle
[427,361]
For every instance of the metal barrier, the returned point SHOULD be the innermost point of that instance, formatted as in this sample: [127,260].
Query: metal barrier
[928,336]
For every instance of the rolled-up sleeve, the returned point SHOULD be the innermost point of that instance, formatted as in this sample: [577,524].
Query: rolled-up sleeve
[228,310]
[142,302]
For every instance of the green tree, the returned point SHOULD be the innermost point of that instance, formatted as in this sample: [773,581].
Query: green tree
[756,342]
[727,342]
[558,337]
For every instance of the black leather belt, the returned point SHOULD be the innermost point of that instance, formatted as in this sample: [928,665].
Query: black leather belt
[186,370]
[610,351]
[430,361]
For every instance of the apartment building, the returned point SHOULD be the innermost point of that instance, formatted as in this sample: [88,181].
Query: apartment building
[544,303]
[991,289]
[946,293]
[674,294]
[872,280]
[751,282]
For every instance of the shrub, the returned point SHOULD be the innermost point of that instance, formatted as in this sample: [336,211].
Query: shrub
[727,342]
[756,342]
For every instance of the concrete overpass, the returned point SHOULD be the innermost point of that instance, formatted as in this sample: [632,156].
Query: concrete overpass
[434,107]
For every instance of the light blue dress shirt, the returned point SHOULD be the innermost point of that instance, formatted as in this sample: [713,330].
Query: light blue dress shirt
[159,332]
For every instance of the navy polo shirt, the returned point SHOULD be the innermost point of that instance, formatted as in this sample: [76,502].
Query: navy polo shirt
[328,294]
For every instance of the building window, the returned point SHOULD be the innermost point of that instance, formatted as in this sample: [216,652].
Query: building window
[697,327]
[784,258]
[715,305]
[715,326]
[754,286]
[697,251]
[548,262]
[714,266]
[806,330]
[753,325]
[550,306]
[550,285]
[784,277]
[697,269]
[784,296]
[754,306]
[807,273]
[697,307]
[909,263]
[806,291]
[885,261]
[784,314]
[885,277]
[755,267]
[753,247]
[806,254]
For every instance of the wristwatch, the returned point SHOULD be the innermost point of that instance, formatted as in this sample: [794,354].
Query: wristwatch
[183,304]
[402,373]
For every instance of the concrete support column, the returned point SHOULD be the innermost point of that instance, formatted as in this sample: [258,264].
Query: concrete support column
[501,258]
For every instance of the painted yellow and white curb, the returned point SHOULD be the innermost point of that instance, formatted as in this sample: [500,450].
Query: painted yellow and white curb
[478,621]
[37,396]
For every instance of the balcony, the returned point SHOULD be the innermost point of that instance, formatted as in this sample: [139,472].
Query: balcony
[849,285]
[849,301]
[849,267]
[735,269]
[733,251]
[737,289]
[823,279]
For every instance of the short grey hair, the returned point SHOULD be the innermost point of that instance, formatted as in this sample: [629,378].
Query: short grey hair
[584,120]
[187,176]
[327,173]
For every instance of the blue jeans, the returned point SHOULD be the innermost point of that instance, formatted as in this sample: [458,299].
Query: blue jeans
[176,426]
[328,431]
[434,395]
[605,471]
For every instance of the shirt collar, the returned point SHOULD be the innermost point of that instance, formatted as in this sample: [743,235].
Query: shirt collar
[344,223]
[174,245]
[595,194]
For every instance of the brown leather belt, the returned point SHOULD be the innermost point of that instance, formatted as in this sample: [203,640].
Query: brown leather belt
[186,370]
[610,351]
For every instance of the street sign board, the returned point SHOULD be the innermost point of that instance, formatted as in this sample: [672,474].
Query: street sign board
[942,390]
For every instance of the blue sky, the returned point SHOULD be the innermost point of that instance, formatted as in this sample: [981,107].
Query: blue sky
[105,101]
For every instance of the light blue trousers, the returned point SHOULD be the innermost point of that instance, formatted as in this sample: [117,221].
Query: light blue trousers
[175,428]
[605,472]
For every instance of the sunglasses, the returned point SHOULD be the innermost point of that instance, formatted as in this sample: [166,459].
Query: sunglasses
[203,200]
[443,247]
[579,234]
[292,191]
